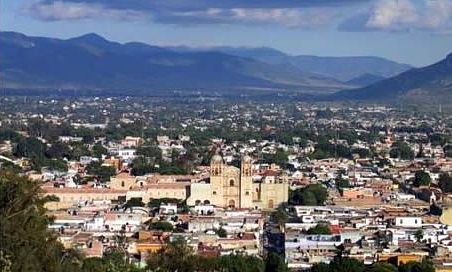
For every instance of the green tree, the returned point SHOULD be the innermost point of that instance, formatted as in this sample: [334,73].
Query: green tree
[342,182]
[140,167]
[221,232]
[280,217]
[424,266]
[94,264]
[103,172]
[161,225]
[175,256]
[345,264]
[311,195]
[402,151]
[99,150]
[421,178]
[382,267]
[445,183]
[275,263]
[134,202]
[321,228]
[26,243]
[419,234]
[320,267]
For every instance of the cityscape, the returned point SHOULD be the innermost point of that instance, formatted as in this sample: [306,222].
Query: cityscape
[118,154]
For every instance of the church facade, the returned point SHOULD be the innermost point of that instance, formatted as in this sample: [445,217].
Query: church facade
[232,187]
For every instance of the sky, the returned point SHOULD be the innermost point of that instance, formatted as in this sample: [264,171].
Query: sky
[416,32]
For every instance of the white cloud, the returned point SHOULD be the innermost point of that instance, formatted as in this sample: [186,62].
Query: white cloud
[55,10]
[392,14]
[253,16]
[60,10]
[424,15]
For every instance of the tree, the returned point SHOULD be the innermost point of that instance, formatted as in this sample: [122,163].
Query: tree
[221,232]
[103,172]
[140,167]
[419,234]
[321,228]
[175,256]
[161,225]
[421,178]
[382,267]
[94,264]
[345,264]
[424,266]
[26,243]
[311,195]
[178,256]
[402,151]
[320,267]
[275,263]
[58,150]
[342,182]
[445,183]
[99,150]
[239,263]
[280,217]
[134,202]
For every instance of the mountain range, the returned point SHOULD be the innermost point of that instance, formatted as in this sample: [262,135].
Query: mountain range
[341,68]
[432,83]
[90,62]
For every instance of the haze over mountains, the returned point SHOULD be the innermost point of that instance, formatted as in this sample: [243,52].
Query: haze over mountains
[90,62]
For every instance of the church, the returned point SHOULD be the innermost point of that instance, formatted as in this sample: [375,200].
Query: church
[232,187]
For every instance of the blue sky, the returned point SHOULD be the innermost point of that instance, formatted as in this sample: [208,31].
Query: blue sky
[418,32]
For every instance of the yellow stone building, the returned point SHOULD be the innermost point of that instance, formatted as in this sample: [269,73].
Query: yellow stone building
[234,188]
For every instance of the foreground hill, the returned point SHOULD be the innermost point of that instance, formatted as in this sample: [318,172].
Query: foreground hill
[91,62]
[427,84]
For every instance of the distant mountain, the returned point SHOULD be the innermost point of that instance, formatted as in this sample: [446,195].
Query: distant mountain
[340,68]
[428,84]
[90,62]
[365,80]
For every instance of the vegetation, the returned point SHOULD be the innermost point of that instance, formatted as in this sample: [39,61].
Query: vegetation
[177,256]
[104,173]
[445,183]
[280,217]
[221,232]
[26,244]
[134,202]
[344,264]
[401,150]
[321,228]
[161,225]
[275,263]
[311,195]
[421,178]
[340,265]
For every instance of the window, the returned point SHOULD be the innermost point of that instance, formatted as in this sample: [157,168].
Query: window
[231,182]
[214,192]
[247,193]
[122,184]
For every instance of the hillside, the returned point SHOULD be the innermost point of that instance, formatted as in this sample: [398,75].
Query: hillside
[91,62]
[427,84]
[340,68]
